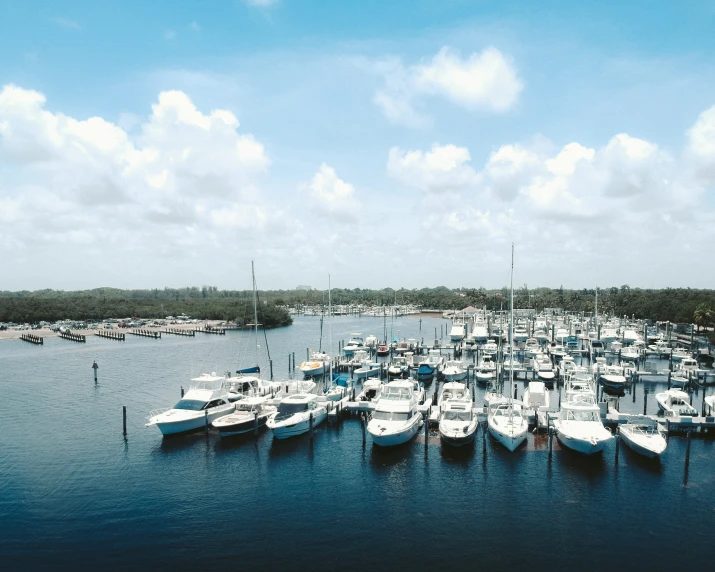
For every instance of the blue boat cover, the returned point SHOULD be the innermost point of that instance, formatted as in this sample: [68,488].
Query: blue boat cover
[341,380]
[253,369]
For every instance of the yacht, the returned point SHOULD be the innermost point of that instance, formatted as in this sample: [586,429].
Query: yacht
[353,344]
[479,334]
[507,424]
[676,403]
[490,348]
[293,415]
[660,347]
[288,387]
[458,422]
[679,354]
[250,413]
[244,385]
[396,418]
[597,348]
[453,390]
[630,353]
[643,437]
[371,341]
[205,401]
[520,334]
[579,425]
[454,371]
[317,365]
[486,370]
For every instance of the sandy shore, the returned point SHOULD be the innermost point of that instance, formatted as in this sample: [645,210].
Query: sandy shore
[13,334]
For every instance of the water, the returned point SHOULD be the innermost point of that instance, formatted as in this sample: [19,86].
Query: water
[74,491]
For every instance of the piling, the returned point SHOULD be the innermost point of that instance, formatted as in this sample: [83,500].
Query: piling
[289,365]
[363,423]
[293,361]
[95,367]
[310,422]
[182,391]
[124,420]
[687,456]
[270,365]
[255,423]
[618,442]
[37,340]
[307,354]
[73,337]
[426,423]
[206,421]
[515,391]
[669,374]
[551,441]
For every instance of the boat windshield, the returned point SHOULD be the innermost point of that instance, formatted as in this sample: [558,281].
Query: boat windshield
[395,393]
[457,416]
[190,404]
[572,415]
[288,409]
[390,416]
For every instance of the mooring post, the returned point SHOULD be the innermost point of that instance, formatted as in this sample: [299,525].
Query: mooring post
[426,422]
[704,391]
[294,362]
[667,431]
[182,391]
[206,421]
[95,367]
[515,391]
[270,366]
[669,374]
[645,398]
[618,442]
[363,423]
[124,420]
[310,421]
[255,423]
[551,441]
[687,453]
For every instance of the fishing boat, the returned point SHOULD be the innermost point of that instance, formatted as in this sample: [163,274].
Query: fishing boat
[612,377]
[354,344]
[204,402]
[537,395]
[643,437]
[544,369]
[341,387]
[486,369]
[456,334]
[294,413]
[676,403]
[396,418]
[398,367]
[660,347]
[458,422]
[531,347]
[579,426]
[370,391]
[630,353]
[679,354]
[317,364]
[454,371]
[250,414]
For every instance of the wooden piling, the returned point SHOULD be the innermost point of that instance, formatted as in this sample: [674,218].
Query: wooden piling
[255,423]
[206,421]
[645,398]
[310,422]
[37,340]
[363,423]
[551,441]
[426,424]
[124,420]
[618,442]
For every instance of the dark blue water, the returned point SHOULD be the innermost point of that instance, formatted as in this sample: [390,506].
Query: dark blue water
[74,492]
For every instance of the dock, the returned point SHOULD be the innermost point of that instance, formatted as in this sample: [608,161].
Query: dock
[146,334]
[217,331]
[73,337]
[179,332]
[37,340]
[110,335]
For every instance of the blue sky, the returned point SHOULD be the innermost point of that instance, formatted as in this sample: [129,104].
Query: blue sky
[308,82]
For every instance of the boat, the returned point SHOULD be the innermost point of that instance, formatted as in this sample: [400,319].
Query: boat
[368,369]
[612,377]
[370,391]
[204,402]
[579,426]
[250,413]
[354,344]
[558,351]
[458,422]
[537,395]
[317,364]
[643,437]
[630,353]
[294,413]
[371,341]
[479,334]
[544,369]
[531,347]
[710,402]
[661,348]
[486,369]
[679,354]
[425,371]
[676,403]
[383,350]
[506,421]
[454,371]
[520,334]
[396,418]
[398,367]
[490,348]
[453,390]
[597,348]
[341,387]
[456,334]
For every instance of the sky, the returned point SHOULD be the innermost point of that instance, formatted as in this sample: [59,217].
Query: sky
[388,144]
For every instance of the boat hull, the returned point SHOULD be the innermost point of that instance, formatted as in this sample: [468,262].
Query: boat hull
[508,440]
[641,449]
[457,376]
[580,445]
[241,427]
[394,438]
[300,428]
[458,439]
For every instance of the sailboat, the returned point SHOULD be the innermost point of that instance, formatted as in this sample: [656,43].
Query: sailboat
[506,421]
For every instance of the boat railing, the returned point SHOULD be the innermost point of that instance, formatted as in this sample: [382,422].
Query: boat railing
[156,412]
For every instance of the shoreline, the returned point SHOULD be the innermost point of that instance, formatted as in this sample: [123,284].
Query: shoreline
[13,334]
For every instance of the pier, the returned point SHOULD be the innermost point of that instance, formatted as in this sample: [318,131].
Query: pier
[218,331]
[37,340]
[146,334]
[73,337]
[180,332]
[110,335]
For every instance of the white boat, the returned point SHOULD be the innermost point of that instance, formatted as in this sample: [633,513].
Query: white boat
[371,341]
[458,422]
[660,347]
[342,386]
[454,371]
[676,403]
[536,395]
[294,413]
[643,437]
[531,347]
[288,387]
[612,377]
[710,402]
[507,424]
[245,385]
[204,402]
[370,391]
[396,418]
[609,335]
[490,348]
[317,365]
[456,334]
[453,390]
[250,413]
[371,369]
[688,367]
[566,365]
[354,344]
[630,353]
[479,334]
[398,367]
[579,425]
[520,334]
[680,353]
[557,351]
[486,370]
[543,368]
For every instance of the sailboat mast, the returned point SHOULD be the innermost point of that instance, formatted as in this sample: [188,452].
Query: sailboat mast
[330,328]
[511,322]
[255,308]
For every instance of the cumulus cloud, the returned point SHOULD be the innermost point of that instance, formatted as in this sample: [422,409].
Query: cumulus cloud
[331,196]
[484,80]
[443,168]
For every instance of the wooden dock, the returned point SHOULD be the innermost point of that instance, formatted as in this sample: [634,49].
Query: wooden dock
[146,334]
[73,337]
[37,340]
[218,331]
[110,335]
[179,332]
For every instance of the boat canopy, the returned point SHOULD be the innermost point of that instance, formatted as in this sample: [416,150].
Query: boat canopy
[252,369]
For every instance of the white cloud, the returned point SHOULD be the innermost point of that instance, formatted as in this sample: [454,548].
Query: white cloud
[331,196]
[484,80]
[67,23]
[443,168]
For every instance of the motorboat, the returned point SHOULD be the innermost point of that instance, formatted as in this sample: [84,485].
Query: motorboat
[558,351]
[486,369]
[396,418]
[451,391]
[679,354]
[456,333]
[675,403]
[354,344]
[490,348]
[204,402]
[661,348]
[612,377]
[520,334]
[597,348]
[579,426]
[371,341]
[454,371]
[629,369]
[458,422]
[383,350]
[609,335]
[688,367]
[537,395]
[250,413]
[317,365]
[398,367]
[630,353]
[368,369]
[341,387]
[710,402]
[507,424]
[644,437]
[370,391]
[247,385]
[544,370]
[288,387]
[531,347]
[294,414]
[566,365]
[479,334]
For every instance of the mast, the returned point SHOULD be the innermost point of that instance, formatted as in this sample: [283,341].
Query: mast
[511,324]
[255,308]
[330,330]
[596,307]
